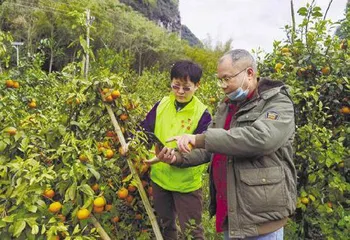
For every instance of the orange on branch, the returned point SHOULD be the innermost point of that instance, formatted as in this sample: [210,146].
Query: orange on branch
[105,90]
[49,193]
[98,209]
[83,214]
[326,70]
[123,117]
[131,188]
[99,202]
[109,153]
[55,207]
[83,157]
[304,200]
[345,110]
[123,193]
[9,83]
[129,198]
[11,130]
[16,84]
[95,187]
[115,94]
[109,98]
[32,104]
[115,219]
[108,207]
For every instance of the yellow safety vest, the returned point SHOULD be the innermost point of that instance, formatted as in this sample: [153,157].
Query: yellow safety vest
[171,123]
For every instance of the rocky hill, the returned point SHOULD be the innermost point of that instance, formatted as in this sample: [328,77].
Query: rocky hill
[166,14]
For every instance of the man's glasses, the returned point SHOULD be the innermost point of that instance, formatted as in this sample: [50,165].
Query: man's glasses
[177,88]
[222,82]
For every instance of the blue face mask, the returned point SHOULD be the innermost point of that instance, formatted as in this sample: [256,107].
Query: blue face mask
[239,94]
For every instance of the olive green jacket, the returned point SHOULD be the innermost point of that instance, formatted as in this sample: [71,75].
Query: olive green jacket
[261,176]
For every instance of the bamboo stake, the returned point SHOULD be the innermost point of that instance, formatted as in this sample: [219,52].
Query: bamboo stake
[139,186]
[99,228]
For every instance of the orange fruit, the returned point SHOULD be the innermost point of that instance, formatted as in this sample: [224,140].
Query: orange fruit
[129,198]
[123,117]
[345,110]
[115,219]
[285,50]
[150,191]
[83,214]
[16,84]
[341,164]
[304,200]
[83,157]
[109,153]
[95,187]
[144,183]
[32,104]
[329,204]
[325,70]
[106,144]
[105,90]
[98,209]
[61,217]
[11,130]
[131,188]
[108,207]
[123,193]
[278,66]
[138,216]
[190,146]
[99,202]
[115,94]
[55,207]
[109,98]
[49,193]
[9,83]
[212,100]
[110,134]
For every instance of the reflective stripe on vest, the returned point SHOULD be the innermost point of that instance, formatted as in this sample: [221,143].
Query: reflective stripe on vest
[170,123]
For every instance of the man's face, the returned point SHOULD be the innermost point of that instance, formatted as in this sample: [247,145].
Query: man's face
[183,89]
[231,77]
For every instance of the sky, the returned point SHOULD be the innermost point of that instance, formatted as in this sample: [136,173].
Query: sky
[249,23]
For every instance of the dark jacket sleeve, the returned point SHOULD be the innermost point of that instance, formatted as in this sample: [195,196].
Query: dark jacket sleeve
[203,123]
[150,121]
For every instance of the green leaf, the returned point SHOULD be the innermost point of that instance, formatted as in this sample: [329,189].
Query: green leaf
[95,173]
[24,144]
[2,224]
[32,209]
[8,218]
[76,229]
[86,189]
[35,229]
[302,11]
[71,191]
[2,146]
[18,228]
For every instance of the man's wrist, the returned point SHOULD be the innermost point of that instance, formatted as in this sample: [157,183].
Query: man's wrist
[200,141]
[178,159]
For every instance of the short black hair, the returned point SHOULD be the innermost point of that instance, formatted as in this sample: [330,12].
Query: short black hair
[186,69]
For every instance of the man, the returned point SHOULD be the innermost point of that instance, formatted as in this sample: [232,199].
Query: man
[249,145]
[177,191]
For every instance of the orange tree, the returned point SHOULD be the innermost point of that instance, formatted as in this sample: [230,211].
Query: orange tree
[61,163]
[316,66]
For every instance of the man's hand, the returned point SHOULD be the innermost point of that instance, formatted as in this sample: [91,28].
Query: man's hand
[185,142]
[167,155]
